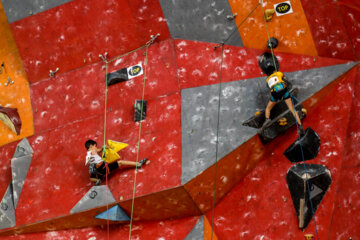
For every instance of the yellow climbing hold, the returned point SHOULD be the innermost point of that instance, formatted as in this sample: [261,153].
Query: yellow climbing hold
[111,152]
[282,121]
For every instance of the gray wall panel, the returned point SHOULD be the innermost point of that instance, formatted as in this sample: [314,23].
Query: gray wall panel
[19,9]
[239,101]
[200,20]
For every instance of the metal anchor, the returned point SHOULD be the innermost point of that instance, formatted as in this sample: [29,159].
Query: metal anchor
[9,81]
[104,57]
[52,73]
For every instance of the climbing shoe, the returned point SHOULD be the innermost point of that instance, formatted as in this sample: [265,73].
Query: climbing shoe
[98,182]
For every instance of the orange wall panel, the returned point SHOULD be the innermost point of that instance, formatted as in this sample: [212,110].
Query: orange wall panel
[292,30]
[15,95]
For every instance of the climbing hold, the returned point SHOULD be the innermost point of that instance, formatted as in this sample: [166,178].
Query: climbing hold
[124,74]
[140,110]
[305,148]
[11,118]
[52,73]
[268,63]
[282,121]
[258,113]
[7,210]
[97,196]
[307,182]
[279,111]
[269,14]
[116,213]
[304,111]
[309,236]
[2,67]
[104,57]
[272,43]
[110,154]
[231,17]
[9,81]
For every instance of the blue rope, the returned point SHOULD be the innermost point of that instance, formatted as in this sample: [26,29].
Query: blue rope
[303,160]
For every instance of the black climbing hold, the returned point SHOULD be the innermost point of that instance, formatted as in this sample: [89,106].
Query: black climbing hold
[124,74]
[116,77]
[258,119]
[306,147]
[266,63]
[140,110]
[319,180]
[272,43]
[274,128]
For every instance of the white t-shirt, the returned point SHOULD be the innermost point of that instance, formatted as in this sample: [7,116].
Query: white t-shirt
[90,158]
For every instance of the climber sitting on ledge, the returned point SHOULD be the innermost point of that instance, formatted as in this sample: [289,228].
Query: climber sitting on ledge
[97,167]
[279,91]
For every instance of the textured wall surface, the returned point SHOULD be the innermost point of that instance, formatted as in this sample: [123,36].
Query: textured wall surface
[17,94]
[318,50]
[19,9]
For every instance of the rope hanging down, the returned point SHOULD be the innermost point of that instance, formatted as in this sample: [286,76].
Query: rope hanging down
[138,146]
[218,114]
[305,169]
[297,126]
[153,38]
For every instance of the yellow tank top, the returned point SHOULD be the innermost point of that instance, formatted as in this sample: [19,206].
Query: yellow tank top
[275,79]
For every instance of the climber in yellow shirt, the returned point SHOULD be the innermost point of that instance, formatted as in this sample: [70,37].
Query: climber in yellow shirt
[279,92]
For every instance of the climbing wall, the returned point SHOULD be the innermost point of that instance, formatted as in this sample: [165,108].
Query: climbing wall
[188,77]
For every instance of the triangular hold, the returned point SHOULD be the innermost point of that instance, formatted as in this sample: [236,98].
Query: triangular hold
[197,233]
[19,170]
[280,114]
[209,233]
[258,119]
[23,148]
[95,197]
[239,101]
[7,211]
[114,147]
[307,181]
[305,148]
[116,213]
[11,118]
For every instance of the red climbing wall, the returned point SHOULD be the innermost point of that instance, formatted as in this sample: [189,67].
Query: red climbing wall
[74,34]
[69,109]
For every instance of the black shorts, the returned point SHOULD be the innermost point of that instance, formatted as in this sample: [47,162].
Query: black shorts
[279,92]
[101,169]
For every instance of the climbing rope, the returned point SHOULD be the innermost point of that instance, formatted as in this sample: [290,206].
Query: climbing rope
[268,35]
[218,115]
[103,153]
[105,114]
[138,146]
[305,169]
[217,141]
